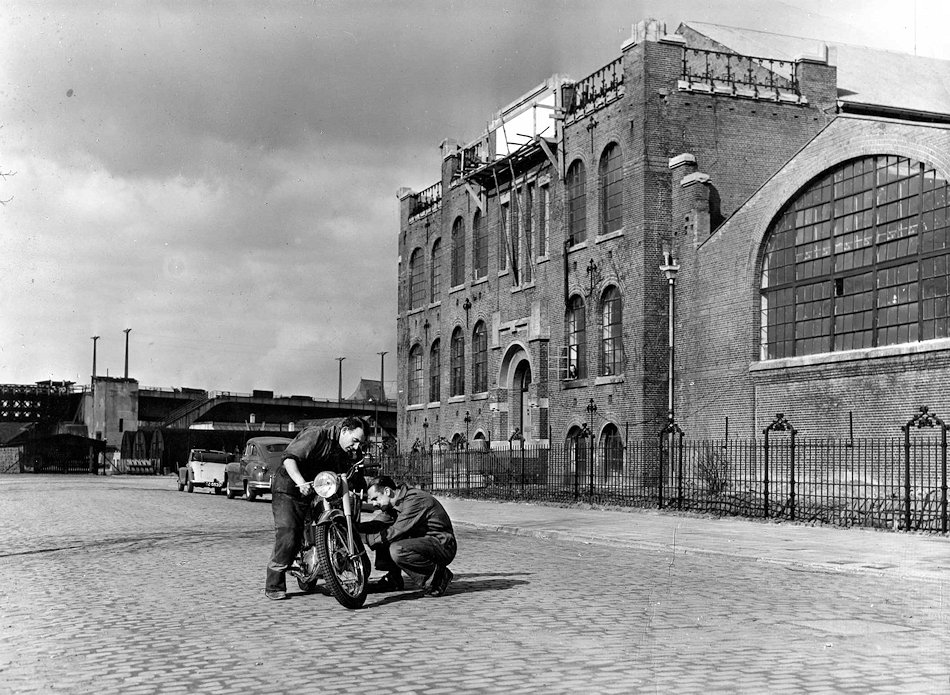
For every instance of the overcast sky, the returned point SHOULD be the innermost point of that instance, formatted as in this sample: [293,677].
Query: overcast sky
[221,177]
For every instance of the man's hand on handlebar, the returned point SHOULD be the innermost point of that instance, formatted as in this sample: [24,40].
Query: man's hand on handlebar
[306,489]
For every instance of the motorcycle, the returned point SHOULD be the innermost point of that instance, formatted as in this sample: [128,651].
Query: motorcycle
[331,546]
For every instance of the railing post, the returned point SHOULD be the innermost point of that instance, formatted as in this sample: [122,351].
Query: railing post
[791,478]
[679,490]
[907,478]
[765,479]
[660,475]
[943,479]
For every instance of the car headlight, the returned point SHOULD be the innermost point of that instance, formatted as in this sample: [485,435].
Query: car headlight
[326,484]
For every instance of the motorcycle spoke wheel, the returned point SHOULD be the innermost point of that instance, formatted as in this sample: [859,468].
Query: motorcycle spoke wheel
[345,575]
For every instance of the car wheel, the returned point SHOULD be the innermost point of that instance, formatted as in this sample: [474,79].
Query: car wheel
[250,493]
[181,485]
[231,494]
[190,486]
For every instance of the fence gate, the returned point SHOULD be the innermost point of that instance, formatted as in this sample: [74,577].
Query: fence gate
[924,418]
[781,424]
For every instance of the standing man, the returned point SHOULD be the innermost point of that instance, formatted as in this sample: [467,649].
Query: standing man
[419,539]
[313,450]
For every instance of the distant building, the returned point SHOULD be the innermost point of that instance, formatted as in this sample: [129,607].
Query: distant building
[801,188]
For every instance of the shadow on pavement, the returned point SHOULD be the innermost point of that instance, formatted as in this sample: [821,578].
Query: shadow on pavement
[461,584]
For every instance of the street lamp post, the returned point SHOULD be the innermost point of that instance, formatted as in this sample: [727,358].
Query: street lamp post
[339,396]
[375,403]
[670,268]
[382,367]
[591,410]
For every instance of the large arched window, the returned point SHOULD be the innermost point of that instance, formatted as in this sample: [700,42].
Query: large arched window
[417,285]
[860,258]
[576,340]
[415,375]
[611,325]
[479,247]
[611,189]
[435,372]
[458,253]
[435,272]
[457,363]
[577,203]
[479,358]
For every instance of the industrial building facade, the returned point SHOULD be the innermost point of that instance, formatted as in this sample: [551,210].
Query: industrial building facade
[795,194]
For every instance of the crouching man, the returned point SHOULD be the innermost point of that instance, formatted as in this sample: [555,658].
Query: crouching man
[416,536]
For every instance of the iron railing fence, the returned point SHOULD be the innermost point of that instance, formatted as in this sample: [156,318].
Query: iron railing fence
[877,482]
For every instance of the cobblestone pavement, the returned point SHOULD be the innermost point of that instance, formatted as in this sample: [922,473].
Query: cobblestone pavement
[124,585]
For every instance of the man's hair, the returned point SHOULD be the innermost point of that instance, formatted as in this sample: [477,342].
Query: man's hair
[353,423]
[381,481]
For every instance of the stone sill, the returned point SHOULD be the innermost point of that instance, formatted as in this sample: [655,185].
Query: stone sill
[865,354]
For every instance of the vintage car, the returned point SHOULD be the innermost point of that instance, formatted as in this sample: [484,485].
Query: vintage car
[205,468]
[252,475]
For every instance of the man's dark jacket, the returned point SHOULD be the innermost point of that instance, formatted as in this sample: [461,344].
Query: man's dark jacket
[417,514]
[314,449]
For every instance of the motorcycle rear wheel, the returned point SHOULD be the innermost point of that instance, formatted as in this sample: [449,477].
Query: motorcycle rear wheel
[346,576]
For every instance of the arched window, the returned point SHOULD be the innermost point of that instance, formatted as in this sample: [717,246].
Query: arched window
[458,253]
[611,447]
[457,363]
[576,340]
[479,358]
[577,203]
[611,189]
[435,272]
[417,286]
[415,375]
[860,258]
[611,324]
[479,247]
[435,372]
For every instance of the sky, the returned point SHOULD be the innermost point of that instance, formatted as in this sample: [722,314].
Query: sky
[221,177]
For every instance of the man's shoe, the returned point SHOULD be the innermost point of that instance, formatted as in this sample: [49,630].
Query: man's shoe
[391,581]
[440,581]
[275,595]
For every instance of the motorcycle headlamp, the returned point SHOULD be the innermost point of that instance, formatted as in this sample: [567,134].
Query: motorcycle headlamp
[326,484]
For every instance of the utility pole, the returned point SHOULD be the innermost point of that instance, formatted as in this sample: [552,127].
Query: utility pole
[382,366]
[95,339]
[339,397]
[126,331]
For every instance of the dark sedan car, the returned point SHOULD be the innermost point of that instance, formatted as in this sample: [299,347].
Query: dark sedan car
[252,475]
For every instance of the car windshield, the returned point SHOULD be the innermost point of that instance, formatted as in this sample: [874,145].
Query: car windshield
[275,448]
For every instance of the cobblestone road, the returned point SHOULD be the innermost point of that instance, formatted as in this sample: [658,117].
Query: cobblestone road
[125,585]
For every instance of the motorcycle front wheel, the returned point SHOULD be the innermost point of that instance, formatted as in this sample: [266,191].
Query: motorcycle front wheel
[346,576]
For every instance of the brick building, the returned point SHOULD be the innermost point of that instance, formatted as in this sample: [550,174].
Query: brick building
[800,188]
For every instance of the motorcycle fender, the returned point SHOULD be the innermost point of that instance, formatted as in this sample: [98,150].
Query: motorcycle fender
[329,516]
